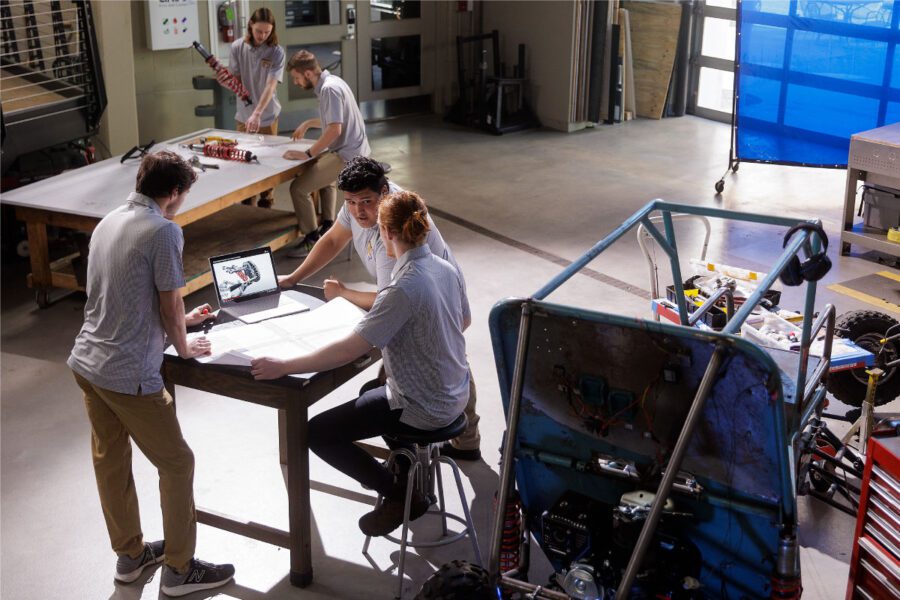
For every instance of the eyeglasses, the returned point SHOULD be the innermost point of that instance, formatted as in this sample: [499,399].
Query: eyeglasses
[137,151]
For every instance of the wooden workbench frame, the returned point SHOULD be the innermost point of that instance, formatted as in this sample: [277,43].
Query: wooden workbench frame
[46,274]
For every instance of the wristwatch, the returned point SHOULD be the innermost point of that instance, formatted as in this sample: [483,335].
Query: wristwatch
[308,153]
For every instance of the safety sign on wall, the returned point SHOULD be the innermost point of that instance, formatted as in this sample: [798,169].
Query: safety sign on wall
[172,24]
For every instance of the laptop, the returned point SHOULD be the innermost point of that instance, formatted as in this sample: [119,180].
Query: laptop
[247,287]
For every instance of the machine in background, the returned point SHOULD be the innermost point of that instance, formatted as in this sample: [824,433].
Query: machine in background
[53,89]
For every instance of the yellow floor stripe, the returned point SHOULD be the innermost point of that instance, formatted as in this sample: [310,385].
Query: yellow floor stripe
[836,287]
[889,275]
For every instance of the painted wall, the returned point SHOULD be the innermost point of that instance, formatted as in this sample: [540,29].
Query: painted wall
[449,23]
[162,80]
[546,27]
[119,125]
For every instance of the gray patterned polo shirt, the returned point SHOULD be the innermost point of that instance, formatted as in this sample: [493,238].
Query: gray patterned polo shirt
[135,253]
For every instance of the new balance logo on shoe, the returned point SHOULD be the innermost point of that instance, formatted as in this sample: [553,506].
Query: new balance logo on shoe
[196,576]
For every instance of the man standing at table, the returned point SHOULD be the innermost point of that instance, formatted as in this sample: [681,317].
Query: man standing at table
[343,137]
[134,301]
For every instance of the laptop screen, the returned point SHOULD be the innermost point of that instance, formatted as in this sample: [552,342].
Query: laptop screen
[244,275]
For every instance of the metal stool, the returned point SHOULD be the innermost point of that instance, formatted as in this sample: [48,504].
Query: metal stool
[424,470]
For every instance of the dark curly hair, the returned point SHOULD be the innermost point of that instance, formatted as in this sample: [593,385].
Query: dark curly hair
[162,172]
[362,173]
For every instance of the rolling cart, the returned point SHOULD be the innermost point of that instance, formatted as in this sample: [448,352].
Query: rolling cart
[648,459]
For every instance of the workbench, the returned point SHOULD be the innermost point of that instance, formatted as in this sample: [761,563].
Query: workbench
[214,220]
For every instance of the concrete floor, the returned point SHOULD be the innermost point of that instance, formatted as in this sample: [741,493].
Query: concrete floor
[539,196]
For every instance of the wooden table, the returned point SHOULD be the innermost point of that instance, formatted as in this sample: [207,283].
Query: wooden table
[292,397]
[213,219]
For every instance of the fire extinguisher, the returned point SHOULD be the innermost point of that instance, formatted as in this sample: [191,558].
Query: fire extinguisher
[226,21]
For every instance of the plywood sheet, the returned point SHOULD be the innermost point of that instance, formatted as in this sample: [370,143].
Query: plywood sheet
[654,40]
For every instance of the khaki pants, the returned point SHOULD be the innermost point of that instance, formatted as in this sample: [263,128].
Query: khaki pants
[470,439]
[319,175]
[272,129]
[148,419]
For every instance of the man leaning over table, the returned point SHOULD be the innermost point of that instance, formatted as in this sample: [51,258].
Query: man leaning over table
[343,138]
[133,302]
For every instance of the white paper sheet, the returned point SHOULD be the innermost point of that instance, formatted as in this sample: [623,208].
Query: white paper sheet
[283,337]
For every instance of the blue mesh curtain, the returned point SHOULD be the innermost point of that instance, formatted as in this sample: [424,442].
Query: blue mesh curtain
[810,74]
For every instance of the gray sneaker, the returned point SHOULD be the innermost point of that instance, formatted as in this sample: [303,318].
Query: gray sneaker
[198,576]
[128,569]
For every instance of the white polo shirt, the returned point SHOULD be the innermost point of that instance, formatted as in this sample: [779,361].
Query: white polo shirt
[338,105]
[373,253]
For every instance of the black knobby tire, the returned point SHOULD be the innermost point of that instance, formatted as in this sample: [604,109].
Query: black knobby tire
[866,328]
[457,580]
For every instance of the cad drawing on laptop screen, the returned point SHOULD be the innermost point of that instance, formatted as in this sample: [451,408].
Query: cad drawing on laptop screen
[244,276]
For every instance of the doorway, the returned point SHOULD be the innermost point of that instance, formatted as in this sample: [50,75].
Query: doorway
[712,72]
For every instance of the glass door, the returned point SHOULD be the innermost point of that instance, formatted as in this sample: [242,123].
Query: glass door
[395,49]
[712,65]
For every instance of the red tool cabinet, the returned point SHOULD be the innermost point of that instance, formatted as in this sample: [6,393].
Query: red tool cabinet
[875,566]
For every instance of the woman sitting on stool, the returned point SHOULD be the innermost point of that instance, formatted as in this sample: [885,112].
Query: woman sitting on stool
[418,322]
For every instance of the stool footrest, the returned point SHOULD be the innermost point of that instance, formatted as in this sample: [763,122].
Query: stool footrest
[424,473]
[447,539]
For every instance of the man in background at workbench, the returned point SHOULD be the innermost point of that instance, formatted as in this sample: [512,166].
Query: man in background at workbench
[257,61]
[343,137]
[134,281]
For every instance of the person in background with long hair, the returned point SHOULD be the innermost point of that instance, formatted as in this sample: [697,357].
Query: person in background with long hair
[258,63]
[417,321]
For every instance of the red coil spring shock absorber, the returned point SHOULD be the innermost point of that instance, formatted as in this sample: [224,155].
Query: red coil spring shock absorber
[511,540]
[229,81]
[786,589]
[227,152]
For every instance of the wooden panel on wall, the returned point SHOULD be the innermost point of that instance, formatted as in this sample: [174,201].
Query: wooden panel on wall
[654,40]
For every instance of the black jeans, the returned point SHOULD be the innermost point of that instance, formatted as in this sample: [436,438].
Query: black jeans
[332,433]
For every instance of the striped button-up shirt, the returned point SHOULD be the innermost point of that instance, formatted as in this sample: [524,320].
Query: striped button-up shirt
[417,321]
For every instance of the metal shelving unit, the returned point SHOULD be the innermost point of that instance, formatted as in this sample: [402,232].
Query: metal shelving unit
[874,159]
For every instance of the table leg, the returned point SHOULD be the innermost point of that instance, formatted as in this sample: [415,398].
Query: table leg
[39,251]
[298,491]
[282,437]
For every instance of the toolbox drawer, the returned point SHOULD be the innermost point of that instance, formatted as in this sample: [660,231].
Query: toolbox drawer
[875,566]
